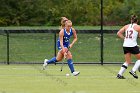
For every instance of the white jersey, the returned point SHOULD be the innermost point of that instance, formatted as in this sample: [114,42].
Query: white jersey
[130,36]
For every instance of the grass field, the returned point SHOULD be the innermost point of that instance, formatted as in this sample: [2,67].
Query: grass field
[35,47]
[92,79]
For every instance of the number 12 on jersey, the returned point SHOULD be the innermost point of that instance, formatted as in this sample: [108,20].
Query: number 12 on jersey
[129,33]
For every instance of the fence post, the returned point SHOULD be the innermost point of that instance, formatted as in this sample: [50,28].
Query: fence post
[7,32]
[55,43]
[101,32]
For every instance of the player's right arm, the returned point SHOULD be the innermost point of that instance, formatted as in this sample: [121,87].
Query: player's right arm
[120,32]
[61,34]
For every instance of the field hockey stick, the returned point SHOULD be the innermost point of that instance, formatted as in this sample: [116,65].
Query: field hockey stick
[64,60]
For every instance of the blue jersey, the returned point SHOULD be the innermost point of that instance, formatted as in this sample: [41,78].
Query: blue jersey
[66,39]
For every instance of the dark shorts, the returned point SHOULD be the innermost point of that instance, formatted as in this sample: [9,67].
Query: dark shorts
[132,50]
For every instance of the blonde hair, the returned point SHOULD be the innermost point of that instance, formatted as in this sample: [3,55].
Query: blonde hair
[68,22]
[63,21]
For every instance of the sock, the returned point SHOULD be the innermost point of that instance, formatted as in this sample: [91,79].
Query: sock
[123,68]
[70,64]
[136,66]
[53,60]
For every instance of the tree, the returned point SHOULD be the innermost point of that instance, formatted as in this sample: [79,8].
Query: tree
[81,12]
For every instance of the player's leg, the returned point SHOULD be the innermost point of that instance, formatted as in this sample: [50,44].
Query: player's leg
[136,66]
[53,60]
[136,52]
[60,56]
[124,66]
[70,64]
[69,61]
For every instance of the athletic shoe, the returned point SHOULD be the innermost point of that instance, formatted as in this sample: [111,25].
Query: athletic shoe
[76,73]
[120,77]
[45,64]
[133,74]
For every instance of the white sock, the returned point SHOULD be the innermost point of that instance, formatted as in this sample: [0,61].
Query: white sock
[123,68]
[136,66]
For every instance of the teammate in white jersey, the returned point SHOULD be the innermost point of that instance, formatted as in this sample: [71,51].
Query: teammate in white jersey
[132,32]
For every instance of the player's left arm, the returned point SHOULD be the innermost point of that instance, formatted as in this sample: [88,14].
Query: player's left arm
[74,37]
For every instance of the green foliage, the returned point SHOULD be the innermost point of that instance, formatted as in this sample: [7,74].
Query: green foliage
[81,12]
[122,11]
[22,12]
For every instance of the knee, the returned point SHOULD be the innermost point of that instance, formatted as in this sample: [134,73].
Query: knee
[58,59]
[128,62]
[69,56]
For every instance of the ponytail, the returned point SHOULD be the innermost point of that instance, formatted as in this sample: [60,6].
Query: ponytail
[134,19]
[63,20]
